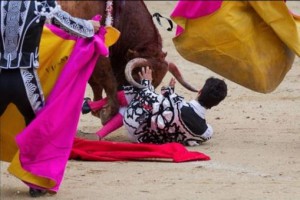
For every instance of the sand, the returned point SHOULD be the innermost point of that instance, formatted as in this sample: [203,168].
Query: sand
[254,152]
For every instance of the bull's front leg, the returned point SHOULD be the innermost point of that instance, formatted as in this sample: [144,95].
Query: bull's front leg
[104,79]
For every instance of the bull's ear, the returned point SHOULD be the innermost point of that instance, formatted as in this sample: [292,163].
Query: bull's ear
[131,54]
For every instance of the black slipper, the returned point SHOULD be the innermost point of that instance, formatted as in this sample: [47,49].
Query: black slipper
[36,192]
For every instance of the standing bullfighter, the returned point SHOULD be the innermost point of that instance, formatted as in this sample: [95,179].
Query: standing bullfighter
[21,25]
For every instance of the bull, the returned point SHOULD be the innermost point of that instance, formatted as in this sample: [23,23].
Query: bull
[139,39]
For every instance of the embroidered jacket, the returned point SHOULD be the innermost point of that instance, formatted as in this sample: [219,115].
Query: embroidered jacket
[167,117]
[21,24]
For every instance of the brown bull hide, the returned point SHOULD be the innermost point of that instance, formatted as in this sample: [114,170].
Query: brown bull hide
[103,77]
[139,38]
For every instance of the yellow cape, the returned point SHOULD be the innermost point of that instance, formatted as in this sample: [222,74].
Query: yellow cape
[252,43]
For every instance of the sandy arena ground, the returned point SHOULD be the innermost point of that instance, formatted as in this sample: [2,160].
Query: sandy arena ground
[254,152]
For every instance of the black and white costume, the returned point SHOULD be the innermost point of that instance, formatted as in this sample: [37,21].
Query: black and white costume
[21,24]
[163,118]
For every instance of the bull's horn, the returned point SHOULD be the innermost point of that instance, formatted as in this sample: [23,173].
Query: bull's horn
[132,64]
[176,73]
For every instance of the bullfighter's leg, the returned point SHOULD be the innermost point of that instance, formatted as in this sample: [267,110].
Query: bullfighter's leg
[15,92]
[3,106]
[25,109]
[89,105]
[22,103]
[30,98]
[4,100]
[113,124]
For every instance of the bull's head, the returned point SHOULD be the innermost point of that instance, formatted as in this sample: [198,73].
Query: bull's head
[154,59]
[136,63]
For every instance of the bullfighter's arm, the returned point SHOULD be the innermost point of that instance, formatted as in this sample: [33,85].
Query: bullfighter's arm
[146,78]
[75,26]
[168,90]
[208,133]
[148,85]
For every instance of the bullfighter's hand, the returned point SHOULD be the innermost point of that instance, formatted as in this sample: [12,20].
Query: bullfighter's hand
[172,82]
[96,25]
[146,74]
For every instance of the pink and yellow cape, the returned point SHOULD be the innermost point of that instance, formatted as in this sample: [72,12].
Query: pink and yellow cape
[39,153]
[252,43]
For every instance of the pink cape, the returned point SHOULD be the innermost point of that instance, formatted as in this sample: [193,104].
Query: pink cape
[120,151]
[194,9]
[45,144]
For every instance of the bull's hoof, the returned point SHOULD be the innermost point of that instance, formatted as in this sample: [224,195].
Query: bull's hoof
[85,106]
